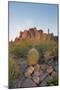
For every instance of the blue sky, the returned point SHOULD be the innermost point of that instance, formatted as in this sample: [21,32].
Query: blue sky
[26,15]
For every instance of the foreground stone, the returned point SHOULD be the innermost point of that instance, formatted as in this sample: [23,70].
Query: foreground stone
[29,71]
[28,83]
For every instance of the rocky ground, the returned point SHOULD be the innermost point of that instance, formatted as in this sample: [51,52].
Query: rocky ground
[41,74]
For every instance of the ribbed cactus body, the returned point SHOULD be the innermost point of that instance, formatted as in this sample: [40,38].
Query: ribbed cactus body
[33,56]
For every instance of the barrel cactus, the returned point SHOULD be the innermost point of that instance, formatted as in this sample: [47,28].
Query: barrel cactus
[33,56]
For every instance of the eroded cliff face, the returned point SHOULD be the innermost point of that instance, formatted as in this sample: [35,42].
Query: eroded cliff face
[32,34]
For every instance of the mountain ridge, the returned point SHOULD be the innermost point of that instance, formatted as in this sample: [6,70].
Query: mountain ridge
[33,33]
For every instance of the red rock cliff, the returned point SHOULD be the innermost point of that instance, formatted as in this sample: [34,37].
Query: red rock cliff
[32,33]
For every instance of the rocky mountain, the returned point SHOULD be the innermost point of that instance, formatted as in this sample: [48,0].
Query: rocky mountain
[33,33]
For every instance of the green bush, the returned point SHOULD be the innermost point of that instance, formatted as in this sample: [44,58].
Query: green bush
[13,72]
[53,82]
[20,52]
[42,48]
[47,47]
[20,49]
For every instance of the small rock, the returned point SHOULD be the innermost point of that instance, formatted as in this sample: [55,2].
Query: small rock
[29,71]
[54,74]
[48,78]
[36,73]
[17,83]
[37,67]
[36,76]
[36,79]
[44,83]
[28,83]
[50,62]
[56,68]
[49,69]
[43,67]
[23,65]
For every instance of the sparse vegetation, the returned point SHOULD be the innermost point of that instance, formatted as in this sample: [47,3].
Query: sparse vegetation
[14,72]
[53,82]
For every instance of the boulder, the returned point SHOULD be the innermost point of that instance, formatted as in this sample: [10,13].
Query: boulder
[23,65]
[42,84]
[29,71]
[36,77]
[49,69]
[28,83]
[43,67]
[37,67]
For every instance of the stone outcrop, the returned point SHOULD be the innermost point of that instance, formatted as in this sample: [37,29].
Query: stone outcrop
[32,33]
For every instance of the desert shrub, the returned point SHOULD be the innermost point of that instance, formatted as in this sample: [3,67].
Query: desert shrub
[54,51]
[13,72]
[51,51]
[53,82]
[24,43]
[47,48]
[19,52]
[42,48]
[33,56]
